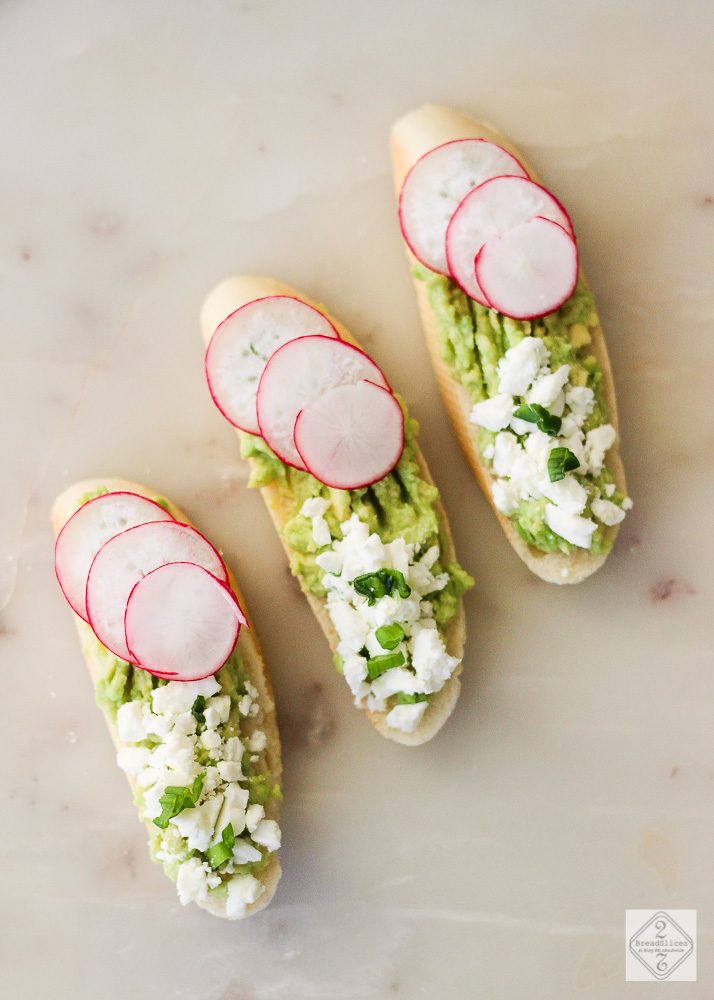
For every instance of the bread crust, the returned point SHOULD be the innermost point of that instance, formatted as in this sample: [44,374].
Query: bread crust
[413,136]
[64,506]
[228,296]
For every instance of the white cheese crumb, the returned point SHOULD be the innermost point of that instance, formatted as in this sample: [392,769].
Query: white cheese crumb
[254,814]
[267,833]
[607,512]
[130,724]
[572,527]
[520,365]
[406,717]
[494,414]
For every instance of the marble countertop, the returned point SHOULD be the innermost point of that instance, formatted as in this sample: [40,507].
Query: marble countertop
[152,148]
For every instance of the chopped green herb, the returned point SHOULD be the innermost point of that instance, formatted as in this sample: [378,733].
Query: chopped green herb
[389,636]
[381,584]
[560,461]
[163,503]
[176,798]
[223,850]
[410,699]
[197,710]
[377,665]
[534,413]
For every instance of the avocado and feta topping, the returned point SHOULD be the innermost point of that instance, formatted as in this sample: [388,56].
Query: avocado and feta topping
[374,555]
[196,753]
[539,417]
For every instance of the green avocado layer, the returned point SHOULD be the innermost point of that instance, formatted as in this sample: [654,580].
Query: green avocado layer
[473,338]
[402,505]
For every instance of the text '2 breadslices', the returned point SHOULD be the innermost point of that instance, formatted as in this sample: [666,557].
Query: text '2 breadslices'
[515,339]
[335,454]
[184,688]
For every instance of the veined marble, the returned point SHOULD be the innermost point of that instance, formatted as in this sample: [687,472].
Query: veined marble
[152,148]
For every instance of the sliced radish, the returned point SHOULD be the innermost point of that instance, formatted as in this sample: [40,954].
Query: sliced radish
[126,558]
[244,342]
[88,529]
[529,271]
[181,622]
[491,209]
[438,183]
[351,436]
[298,374]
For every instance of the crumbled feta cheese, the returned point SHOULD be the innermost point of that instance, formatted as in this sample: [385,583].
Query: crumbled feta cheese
[258,741]
[221,705]
[133,759]
[354,670]
[254,814]
[627,504]
[185,724]
[573,528]
[178,696]
[395,680]
[157,725]
[267,833]
[494,414]
[180,752]
[489,449]
[567,493]
[191,881]
[505,496]
[230,770]
[349,623]
[609,489]
[520,365]
[242,890]
[330,562]
[244,852]
[210,739]
[130,725]
[432,663]
[244,705]
[546,388]
[314,508]
[607,512]
[197,825]
[581,401]
[406,717]
[597,442]
[233,811]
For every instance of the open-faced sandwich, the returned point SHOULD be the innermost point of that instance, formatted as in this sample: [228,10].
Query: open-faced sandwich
[335,455]
[515,339]
[183,685]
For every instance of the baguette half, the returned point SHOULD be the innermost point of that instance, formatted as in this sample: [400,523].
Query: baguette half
[65,505]
[413,136]
[230,295]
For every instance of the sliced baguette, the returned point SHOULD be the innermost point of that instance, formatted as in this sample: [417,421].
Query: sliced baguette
[222,301]
[65,505]
[413,136]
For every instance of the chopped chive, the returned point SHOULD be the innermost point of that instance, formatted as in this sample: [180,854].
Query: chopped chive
[176,798]
[377,665]
[223,850]
[389,636]
[381,584]
[560,461]
[536,414]
[197,710]
[410,699]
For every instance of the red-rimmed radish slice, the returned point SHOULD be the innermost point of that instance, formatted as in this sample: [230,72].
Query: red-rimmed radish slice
[128,557]
[351,436]
[298,374]
[181,622]
[244,342]
[438,183]
[529,271]
[492,209]
[88,529]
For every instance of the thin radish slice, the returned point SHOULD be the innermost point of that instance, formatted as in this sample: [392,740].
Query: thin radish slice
[529,271]
[88,529]
[298,374]
[244,342]
[351,436]
[181,622]
[438,183]
[126,558]
[492,209]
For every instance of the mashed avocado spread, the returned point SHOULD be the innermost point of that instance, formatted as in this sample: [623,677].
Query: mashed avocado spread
[399,506]
[175,734]
[375,556]
[473,342]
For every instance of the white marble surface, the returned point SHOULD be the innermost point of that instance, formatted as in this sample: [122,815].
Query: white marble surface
[150,149]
